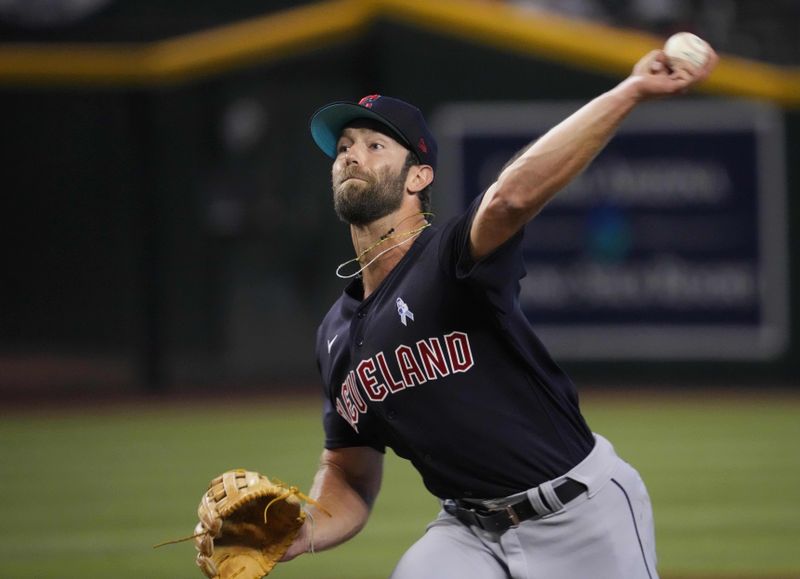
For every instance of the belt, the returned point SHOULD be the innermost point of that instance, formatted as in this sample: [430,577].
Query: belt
[498,521]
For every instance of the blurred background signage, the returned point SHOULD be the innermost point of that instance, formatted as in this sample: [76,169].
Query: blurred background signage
[671,245]
[45,13]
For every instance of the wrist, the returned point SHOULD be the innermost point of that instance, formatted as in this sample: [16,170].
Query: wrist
[630,90]
[299,546]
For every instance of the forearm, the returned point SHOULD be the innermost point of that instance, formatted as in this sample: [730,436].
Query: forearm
[345,496]
[345,510]
[555,159]
[525,186]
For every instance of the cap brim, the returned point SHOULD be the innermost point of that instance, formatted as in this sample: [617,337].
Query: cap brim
[329,121]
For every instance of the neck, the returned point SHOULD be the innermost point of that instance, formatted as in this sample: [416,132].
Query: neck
[383,243]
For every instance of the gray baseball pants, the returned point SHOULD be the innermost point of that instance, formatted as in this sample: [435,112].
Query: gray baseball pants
[605,533]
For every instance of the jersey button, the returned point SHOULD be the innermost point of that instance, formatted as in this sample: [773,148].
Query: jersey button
[361,315]
[360,343]
[391,415]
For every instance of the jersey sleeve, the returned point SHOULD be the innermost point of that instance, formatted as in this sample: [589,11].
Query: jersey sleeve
[339,434]
[496,274]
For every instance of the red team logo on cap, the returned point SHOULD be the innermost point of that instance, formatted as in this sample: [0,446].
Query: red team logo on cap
[422,146]
[368,100]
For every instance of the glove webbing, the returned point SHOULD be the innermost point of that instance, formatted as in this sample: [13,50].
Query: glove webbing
[292,490]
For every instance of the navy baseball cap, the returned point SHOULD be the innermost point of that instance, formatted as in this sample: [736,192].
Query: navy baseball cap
[404,121]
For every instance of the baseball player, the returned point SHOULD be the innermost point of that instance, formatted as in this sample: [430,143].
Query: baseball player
[428,352]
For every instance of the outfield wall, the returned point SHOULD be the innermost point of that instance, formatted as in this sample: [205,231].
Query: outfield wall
[177,233]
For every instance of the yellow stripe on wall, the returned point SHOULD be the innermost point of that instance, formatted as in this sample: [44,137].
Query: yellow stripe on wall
[494,23]
[55,63]
[185,57]
[584,45]
[272,36]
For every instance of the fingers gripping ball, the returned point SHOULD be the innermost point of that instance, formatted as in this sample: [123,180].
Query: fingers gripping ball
[247,523]
[685,47]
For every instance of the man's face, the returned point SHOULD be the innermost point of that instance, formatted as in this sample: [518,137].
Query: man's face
[368,176]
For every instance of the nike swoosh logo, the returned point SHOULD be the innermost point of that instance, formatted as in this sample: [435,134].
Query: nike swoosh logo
[331,341]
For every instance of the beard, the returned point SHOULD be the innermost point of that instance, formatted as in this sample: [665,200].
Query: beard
[369,196]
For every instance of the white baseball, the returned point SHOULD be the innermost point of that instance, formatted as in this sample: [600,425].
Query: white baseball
[685,46]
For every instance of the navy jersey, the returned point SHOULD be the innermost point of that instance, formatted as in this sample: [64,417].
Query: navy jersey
[440,364]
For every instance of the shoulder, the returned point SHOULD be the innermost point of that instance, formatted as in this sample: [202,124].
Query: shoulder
[453,236]
[334,311]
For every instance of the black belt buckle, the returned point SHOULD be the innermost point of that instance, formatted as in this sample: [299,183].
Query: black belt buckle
[511,515]
[495,522]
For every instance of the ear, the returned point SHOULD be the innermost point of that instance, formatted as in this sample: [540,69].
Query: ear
[419,177]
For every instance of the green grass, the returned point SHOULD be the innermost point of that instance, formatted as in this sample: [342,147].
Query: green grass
[87,492]
[723,475]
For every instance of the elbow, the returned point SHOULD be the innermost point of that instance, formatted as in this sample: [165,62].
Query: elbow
[509,203]
[520,193]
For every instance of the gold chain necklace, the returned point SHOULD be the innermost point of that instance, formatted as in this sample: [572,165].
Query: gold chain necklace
[409,235]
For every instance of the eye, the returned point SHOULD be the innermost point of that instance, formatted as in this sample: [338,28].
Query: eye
[377,146]
[342,148]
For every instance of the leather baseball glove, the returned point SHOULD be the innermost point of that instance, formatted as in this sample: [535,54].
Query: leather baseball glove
[247,523]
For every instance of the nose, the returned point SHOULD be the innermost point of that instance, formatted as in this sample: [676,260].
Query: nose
[351,155]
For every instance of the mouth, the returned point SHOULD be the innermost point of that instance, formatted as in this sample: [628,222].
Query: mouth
[351,178]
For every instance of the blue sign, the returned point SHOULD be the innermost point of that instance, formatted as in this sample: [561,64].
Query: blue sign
[672,244]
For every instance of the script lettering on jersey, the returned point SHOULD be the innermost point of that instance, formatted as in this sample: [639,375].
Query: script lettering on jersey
[427,360]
